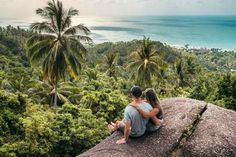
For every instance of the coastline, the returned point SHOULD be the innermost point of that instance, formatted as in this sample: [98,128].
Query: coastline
[200,32]
[177,46]
[203,48]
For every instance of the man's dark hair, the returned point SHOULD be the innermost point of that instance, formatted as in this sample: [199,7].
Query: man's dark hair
[136,91]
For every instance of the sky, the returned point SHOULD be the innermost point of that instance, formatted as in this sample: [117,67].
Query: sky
[107,8]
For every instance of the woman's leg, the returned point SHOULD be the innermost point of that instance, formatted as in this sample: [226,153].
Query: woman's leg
[115,126]
[111,128]
[120,125]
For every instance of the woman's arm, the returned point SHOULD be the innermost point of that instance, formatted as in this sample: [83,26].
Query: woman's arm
[145,114]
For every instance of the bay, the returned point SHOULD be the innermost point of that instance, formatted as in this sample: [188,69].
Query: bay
[197,31]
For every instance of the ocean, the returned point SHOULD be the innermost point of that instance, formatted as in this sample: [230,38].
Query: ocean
[197,31]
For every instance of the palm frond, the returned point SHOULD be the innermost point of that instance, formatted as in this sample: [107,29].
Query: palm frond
[134,65]
[60,63]
[39,37]
[38,50]
[73,64]
[78,29]
[73,12]
[42,27]
[46,67]
[77,47]
[67,17]
[82,38]
[59,15]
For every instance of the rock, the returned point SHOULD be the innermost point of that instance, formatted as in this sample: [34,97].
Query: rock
[215,134]
[179,114]
[191,128]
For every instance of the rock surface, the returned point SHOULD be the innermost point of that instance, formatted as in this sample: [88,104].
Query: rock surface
[215,134]
[180,115]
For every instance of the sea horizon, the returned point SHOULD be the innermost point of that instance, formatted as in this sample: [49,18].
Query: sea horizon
[198,31]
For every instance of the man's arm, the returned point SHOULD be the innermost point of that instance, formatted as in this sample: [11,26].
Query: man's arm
[127,130]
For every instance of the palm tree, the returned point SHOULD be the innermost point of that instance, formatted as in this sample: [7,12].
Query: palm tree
[145,62]
[110,64]
[56,44]
[187,70]
[180,68]
[92,74]
[192,66]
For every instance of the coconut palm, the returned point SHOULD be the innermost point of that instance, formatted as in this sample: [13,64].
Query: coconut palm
[192,66]
[145,63]
[56,44]
[92,74]
[180,69]
[110,64]
[187,69]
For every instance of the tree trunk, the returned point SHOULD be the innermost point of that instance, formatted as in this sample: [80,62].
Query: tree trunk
[110,73]
[55,96]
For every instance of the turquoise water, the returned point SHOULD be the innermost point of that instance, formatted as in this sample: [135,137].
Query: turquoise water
[197,31]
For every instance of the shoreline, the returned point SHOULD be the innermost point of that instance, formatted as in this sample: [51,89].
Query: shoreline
[98,39]
[177,46]
[203,48]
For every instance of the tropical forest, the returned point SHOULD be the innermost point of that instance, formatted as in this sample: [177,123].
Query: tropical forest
[59,89]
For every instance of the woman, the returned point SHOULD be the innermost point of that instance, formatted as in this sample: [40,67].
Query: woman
[156,115]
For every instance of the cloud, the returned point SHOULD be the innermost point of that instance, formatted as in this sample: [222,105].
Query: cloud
[26,8]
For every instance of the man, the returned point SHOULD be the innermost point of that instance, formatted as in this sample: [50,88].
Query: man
[133,124]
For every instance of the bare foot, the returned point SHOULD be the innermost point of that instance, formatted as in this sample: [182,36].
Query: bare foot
[114,124]
[111,128]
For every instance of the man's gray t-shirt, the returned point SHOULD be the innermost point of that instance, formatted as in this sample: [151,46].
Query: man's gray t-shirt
[138,123]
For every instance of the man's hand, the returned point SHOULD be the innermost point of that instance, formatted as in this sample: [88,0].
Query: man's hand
[121,141]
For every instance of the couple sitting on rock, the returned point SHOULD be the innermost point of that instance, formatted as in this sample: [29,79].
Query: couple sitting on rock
[140,115]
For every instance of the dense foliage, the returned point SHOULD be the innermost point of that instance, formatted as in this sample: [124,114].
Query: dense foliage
[28,125]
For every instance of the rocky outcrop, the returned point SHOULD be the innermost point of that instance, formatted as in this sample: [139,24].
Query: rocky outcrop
[191,128]
[215,134]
